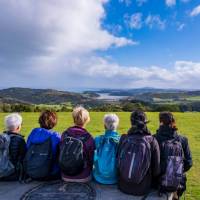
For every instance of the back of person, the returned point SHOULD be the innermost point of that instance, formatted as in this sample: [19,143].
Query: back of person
[77,149]
[41,161]
[175,156]
[12,149]
[138,157]
[105,157]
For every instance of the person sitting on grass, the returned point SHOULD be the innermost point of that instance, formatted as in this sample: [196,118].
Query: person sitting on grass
[176,158]
[77,149]
[105,165]
[12,149]
[138,157]
[41,161]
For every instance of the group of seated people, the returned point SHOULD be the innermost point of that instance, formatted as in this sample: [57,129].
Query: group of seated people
[137,161]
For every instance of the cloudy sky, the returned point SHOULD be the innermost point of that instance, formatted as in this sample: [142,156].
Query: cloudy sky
[70,44]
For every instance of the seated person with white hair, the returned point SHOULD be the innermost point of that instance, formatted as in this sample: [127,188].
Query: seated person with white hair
[105,165]
[12,149]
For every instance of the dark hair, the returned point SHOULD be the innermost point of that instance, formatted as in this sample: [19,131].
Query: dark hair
[48,119]
[167,119]
[139,119]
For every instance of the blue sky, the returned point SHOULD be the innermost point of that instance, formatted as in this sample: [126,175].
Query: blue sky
[177,40]
[65,44]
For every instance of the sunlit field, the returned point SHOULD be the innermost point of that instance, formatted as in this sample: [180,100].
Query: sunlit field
[188,124]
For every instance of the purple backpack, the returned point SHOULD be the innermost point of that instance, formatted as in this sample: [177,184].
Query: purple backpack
[171,165]
[134,158]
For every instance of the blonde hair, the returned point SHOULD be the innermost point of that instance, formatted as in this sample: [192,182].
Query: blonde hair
[80,115]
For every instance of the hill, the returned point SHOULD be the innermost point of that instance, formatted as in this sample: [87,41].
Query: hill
[40,96]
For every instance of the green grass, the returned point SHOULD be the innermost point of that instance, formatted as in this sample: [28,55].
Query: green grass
[188,124]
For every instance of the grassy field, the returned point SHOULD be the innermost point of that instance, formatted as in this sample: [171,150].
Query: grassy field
[188,124]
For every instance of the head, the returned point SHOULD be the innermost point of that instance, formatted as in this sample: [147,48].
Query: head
[167,119]
[13,122]
[138,119]
[111,122]
[80,116]
[48,119]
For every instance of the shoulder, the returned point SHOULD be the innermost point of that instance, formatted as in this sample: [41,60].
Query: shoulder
[55,135]
[183,140]
[17,138]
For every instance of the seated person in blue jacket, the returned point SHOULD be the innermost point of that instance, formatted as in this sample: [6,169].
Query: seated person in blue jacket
[12,149]
[41,161]
[105,165]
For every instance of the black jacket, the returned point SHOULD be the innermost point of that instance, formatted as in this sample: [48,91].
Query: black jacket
[166,133]
[17,151]
[145,186]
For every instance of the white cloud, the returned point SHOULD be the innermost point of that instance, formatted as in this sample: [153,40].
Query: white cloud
[180,26]
[170,3]
[127,2]
[57,27]
[141,2]
[195,11]
[52,44]
[155,21]
[136,21]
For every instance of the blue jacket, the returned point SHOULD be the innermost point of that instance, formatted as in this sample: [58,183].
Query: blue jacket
[39,135]
[112,179]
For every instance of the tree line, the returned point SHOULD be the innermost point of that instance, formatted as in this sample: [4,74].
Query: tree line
[124,106]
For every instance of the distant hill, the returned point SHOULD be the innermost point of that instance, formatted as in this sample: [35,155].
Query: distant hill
[40,96]
[91,98]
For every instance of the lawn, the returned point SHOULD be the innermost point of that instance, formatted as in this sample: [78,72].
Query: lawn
[188,124]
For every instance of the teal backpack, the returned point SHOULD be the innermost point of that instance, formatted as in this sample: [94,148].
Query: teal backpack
[105,162]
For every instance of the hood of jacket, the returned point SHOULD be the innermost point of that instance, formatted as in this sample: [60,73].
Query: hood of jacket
[113,134]
[166,133]
[137,131]
[39,135]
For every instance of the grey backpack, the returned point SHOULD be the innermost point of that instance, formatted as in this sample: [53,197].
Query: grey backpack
[6,166]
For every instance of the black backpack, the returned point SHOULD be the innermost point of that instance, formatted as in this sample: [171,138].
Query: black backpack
[72,159]
[171,165]
[134,158]
[39,159]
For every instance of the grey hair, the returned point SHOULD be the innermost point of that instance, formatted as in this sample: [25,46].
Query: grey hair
[13,121]
[111,121]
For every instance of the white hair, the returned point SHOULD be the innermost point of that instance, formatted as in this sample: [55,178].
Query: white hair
[13,121]
[111,121]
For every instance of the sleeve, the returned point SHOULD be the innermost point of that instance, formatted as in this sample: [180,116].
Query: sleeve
[29,141]
[187,155]
[120,143]
[56,138]
[22,150]
[90,145]
[155,162]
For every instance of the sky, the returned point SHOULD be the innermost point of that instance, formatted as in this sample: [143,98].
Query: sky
[74,44]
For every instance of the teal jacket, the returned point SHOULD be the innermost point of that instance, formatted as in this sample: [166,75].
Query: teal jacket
[112,177]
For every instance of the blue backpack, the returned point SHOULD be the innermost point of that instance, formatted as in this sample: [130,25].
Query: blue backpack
[105,162]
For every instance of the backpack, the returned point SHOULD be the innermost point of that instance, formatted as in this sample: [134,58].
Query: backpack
[39,159]
[72,159]
[105,157]
[134,158]
[6,166]
[171,165]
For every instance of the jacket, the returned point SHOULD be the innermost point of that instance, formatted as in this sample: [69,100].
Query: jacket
[17,152]
[154,170]
[166,133]
[112,178]
[89,146]
[40,135]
